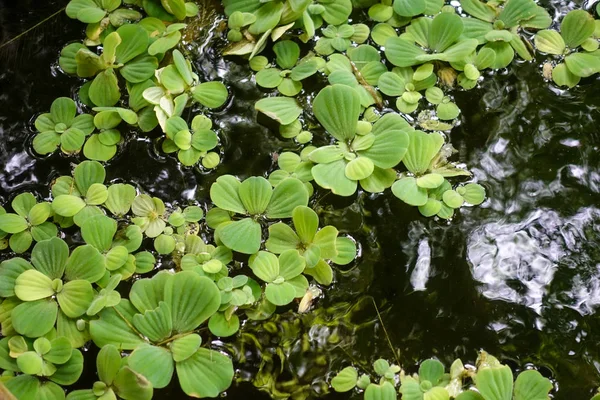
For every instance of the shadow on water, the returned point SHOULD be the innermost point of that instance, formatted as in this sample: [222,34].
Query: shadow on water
[518,276]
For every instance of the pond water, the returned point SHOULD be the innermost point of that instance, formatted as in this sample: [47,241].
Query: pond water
[518,276]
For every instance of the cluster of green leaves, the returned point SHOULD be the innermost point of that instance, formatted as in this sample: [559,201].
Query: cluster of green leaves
[159,324]
[69,294]
[141,57]
[368,153]
[576,47]
[287,77]
[176,84]
[27,223]
[253,22]
[489,381]
[104,16]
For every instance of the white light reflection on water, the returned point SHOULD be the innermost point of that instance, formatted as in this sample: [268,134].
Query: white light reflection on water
[517,262]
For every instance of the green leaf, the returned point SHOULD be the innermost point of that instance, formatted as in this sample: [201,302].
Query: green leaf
[139,69]
[269,78]
[205,374]
[291,264]
[431,208]
[337,108]
[133,386]
[94,149]
[359,168]
[9,272]
[431,370]
[85,263]
[384,391]
[562,76]
[332,176]
[430,181]
[219,325]
[445,30]
[63,110]
[583,64]
[104,91]
[549,41]
[409,8]
[192,298]
[337,12]
[24,387]
[34,318]
[69,373]
[255,194]
[531,385]
[280,294]
[306,222]
[20,242]
[12,223]
[479,9]
[472,193]
[281,238]
[265,266]
[345,380]
[210,94]
[60,351]
[267,17]
[284,110]
[108,363]
[185,347]
[407,190]
[75,298]
[46,142]
[287,52]
[495,383]
[32,285]
[422,148]
[154,363]
[576,27]
[322,272]
[391,84]
[287,195]
[30,363]
[120,198]
[469,395]
[401,52]
[389,147]
[67,205]
[50,257]
[110,328]
[134,42]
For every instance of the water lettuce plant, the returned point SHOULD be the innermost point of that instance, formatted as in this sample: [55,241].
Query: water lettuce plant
[576,46]
[70,290]
[490,379]
[252,200]
[317,246]
[288,77]
[192,145]
[29,222]
[115,380]
[366,158]
[62,127]
[43,365]
[158,323]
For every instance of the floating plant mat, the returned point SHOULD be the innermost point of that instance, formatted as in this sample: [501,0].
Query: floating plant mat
[515,276]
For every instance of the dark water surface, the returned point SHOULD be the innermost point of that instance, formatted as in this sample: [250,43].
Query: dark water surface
[518,276]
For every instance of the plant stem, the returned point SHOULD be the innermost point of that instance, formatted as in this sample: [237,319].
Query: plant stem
[32,28]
